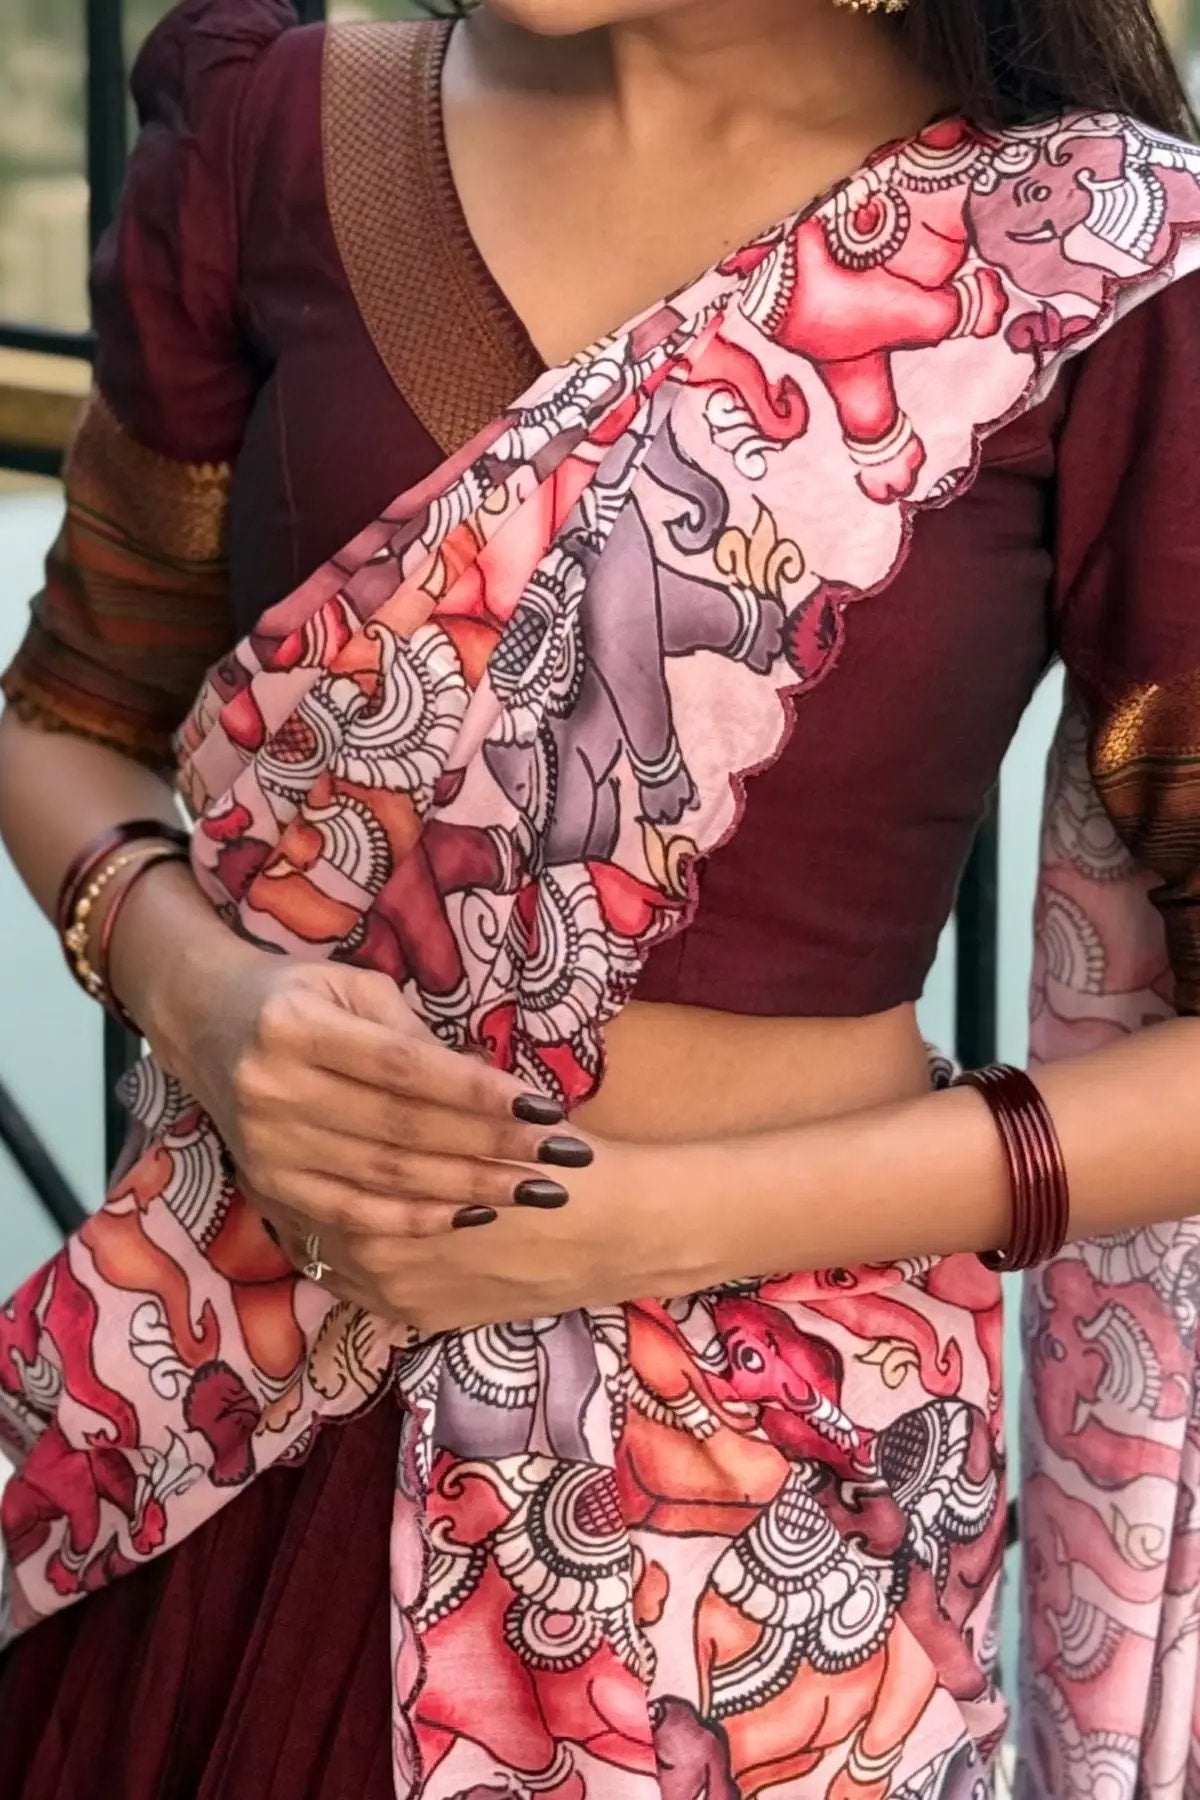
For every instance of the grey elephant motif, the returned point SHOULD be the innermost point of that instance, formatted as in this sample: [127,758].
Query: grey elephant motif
[635,613]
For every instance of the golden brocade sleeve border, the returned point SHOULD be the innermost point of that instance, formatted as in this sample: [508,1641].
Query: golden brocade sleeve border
[136,606]
[173,509]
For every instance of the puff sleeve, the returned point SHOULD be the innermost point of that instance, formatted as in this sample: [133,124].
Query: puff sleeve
[135,605]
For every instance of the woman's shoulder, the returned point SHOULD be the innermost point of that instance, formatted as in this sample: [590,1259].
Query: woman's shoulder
[1151,348]
[301,89]
[200,44]
[1119,239]
[237,94]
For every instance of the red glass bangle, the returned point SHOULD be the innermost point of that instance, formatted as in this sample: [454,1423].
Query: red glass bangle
[136,847]
[1037,1171]
[90,858]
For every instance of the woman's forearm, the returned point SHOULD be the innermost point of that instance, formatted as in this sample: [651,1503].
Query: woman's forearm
[928,1177]
[59,792]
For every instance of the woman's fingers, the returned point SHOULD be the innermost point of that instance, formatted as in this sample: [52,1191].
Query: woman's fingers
[457,1181]
[343,1118]
[313,1031]
[424,1201]
[340,1215]
[349,1123]
[373,1179]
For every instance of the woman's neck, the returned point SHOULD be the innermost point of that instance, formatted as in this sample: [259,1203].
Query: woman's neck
[737,71]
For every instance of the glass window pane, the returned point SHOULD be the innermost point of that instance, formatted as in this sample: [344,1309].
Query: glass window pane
[43,192]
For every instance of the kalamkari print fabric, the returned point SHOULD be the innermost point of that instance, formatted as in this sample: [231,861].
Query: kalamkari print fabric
[745,1542]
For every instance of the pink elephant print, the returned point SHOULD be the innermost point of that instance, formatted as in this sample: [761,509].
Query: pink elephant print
[1109,224]
[851,284]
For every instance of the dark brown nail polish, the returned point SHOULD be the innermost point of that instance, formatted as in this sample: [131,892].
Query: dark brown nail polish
[474,1215]
[566,1153]
[536,1109]
[544,1194]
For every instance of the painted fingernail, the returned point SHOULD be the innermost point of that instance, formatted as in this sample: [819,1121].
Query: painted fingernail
[544,1194]
[474,1215]
[535,1109]
[566,1153]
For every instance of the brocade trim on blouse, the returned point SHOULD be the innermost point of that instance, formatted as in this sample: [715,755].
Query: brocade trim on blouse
[1145,761]
[412,264]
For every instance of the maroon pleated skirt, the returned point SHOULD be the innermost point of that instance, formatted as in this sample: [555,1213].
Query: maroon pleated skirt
[250,1663]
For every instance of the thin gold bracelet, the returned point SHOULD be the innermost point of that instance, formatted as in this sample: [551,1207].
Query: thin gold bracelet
[77,938]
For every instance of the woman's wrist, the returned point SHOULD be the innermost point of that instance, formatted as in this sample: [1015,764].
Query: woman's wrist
[861,1188]
[687,1221]
[163,950]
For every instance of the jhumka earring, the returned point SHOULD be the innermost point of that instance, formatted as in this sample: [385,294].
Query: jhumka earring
[870,6]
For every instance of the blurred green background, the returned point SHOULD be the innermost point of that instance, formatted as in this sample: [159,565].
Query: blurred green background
[43,196]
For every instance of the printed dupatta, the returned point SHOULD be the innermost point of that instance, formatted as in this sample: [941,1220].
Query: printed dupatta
[1110,1413]
[482,750]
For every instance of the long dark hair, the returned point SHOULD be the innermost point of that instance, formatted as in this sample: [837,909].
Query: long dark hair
[1011,61]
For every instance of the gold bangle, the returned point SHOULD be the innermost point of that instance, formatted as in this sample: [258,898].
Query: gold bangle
[77,938]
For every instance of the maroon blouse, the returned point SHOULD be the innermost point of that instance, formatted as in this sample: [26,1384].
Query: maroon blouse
[292,290]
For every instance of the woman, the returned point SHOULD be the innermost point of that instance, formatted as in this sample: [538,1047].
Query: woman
[467,778]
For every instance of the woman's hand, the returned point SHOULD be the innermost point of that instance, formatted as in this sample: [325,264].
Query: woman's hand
[341,1111]
[625,1235]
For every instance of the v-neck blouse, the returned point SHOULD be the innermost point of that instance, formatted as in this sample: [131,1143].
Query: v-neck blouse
[293,294]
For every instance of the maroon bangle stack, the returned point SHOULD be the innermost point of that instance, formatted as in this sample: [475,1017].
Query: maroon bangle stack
[1037,1171]
[93,855]
[125,853]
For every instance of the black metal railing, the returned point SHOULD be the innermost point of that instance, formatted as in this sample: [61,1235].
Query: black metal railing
[977,947]
[47,1183]
[977,915]
[107,119]
[46,342]
[104,81]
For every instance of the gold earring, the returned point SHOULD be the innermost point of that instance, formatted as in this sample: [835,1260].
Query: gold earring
[871,6]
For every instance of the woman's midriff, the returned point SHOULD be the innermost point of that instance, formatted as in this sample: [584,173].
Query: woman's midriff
[681,1072]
